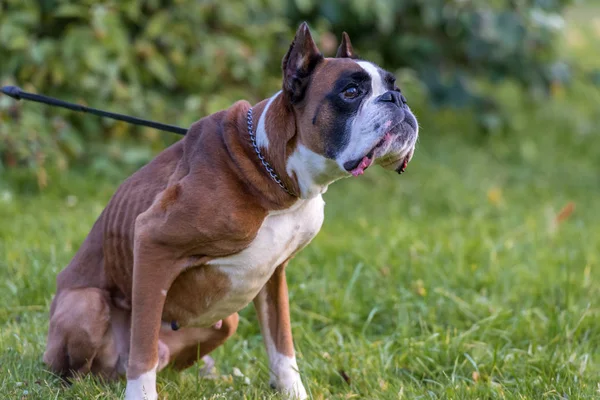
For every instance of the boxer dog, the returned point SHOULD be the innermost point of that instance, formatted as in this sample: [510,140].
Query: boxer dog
[211,223]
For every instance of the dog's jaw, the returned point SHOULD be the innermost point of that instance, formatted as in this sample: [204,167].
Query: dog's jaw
[313,172]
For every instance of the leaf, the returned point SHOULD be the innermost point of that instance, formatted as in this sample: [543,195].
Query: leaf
[304,5]
[565,212]
[595,77]
[494,196]
[345,376]
[71,11]
[160,69]
[157,25]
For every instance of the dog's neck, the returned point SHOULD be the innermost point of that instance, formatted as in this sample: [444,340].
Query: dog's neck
[305,172]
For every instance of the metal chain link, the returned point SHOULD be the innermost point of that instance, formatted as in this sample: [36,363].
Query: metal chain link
[264,162]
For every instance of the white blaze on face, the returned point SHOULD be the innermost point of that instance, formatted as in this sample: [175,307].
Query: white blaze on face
[377,86]
[366,128]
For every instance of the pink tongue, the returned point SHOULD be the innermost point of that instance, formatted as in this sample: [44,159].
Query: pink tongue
[360,169]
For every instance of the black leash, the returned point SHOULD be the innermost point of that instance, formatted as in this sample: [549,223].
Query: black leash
[18,94]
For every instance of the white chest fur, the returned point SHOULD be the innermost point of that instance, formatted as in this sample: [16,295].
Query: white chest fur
[282,234]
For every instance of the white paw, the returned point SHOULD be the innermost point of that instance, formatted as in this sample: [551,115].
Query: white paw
[297,392]
[142,388]
[293,391]
[287,381]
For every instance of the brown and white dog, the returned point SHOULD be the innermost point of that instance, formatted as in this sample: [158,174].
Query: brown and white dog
[210,224]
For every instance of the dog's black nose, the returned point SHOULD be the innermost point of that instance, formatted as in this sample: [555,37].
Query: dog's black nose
[393,97]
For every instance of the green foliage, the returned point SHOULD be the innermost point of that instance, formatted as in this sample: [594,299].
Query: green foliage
[452,44]
[171,61]
[175,61]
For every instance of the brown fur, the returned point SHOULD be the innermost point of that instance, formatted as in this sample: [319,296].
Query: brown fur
[170,196]
[326,74]
[191,292]
[216,200]
[345,50]
[205,197]
[86,312]
[273,309]
[188,345]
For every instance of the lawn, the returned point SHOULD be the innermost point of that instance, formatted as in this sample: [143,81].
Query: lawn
[475,275]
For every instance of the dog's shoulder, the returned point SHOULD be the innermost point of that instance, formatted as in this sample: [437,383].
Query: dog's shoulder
[202,204]
[207,133]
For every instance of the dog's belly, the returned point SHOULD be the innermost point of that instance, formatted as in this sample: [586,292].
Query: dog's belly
[206,294]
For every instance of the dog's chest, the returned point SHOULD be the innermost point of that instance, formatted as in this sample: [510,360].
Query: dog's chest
[281,235]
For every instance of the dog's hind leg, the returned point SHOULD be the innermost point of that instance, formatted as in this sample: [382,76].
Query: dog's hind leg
[79,331]
[189,344]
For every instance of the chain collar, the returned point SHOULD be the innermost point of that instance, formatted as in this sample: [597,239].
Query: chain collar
[264,162]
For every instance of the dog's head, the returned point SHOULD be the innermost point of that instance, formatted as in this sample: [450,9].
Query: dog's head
[347,110]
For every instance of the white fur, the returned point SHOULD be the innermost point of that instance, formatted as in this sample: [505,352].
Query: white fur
[313,171]
[283,370]
[377,86]
[282,234]
[144,387]
[262,140]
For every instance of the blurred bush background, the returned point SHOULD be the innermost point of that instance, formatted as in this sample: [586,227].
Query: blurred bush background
[175,61]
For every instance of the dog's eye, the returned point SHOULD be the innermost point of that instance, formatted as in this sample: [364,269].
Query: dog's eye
[351,92]
[391,80]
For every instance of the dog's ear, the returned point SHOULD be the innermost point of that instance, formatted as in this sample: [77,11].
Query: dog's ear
[299,62]
[345,50]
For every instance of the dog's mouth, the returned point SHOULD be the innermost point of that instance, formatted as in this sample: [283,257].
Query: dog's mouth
[359,166]
[398,164]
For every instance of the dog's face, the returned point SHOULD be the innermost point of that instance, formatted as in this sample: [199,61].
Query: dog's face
[348,111]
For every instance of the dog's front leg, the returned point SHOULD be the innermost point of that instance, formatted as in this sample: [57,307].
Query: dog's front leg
[274,316]
[153,273]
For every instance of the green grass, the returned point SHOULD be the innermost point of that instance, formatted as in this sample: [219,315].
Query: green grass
[453,281]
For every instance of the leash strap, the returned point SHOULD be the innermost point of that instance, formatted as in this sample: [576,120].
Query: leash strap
[18,94]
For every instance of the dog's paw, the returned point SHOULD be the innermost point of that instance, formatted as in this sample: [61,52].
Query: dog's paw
[143,387]
[140,393]
[285,377]
[292,387]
